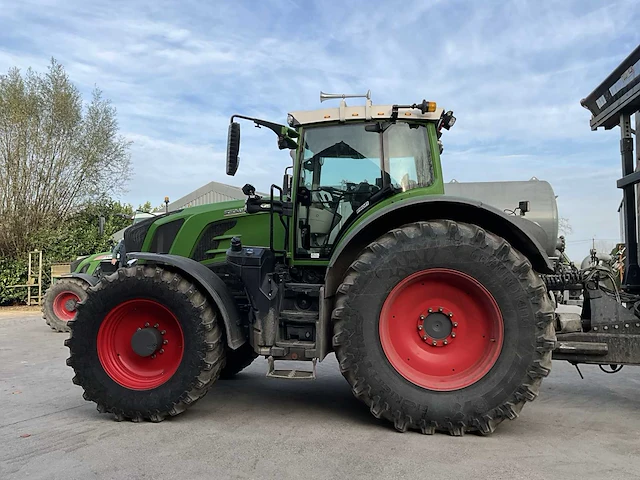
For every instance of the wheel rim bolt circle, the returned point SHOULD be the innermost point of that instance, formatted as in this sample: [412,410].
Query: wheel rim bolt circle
[429,341]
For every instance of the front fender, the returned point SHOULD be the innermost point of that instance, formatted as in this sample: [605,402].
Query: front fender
[85,277]
[210,283]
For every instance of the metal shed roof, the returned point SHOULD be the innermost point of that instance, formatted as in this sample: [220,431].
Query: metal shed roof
[212,192]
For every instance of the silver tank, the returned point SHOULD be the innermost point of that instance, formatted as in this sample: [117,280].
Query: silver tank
[506,195]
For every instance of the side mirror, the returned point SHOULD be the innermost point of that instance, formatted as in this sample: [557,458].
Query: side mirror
[233,148]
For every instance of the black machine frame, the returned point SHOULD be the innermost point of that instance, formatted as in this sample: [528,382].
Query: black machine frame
[612,104]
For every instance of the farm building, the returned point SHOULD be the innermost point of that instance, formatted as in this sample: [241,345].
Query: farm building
[212,192]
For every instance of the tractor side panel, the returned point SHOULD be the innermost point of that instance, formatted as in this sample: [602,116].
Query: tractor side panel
[204,233]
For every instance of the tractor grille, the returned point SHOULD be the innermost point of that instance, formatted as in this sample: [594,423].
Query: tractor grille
[207,239]
[135,234]
[165,235]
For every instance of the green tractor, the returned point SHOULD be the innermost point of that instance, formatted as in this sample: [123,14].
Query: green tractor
[433,305]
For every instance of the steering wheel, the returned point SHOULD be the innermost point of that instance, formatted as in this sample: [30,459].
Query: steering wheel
[361,193]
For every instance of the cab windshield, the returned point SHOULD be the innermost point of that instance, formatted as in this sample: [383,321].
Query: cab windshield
[344,166]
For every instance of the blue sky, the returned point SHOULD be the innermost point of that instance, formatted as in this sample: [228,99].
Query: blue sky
[513,73]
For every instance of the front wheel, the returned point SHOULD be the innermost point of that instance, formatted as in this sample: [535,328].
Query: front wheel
[145,344]
[442,326]
[60,302]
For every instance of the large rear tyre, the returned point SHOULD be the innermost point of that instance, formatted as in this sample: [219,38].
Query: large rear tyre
[145,344]
[238,360]
[441,326]
[60,302]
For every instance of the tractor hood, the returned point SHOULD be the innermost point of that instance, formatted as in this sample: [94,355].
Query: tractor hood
[202,233]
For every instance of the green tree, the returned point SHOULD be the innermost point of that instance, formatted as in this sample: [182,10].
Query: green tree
[75,236]
[146,207]
[57,154]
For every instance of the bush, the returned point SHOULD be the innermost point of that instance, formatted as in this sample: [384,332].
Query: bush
[74,236]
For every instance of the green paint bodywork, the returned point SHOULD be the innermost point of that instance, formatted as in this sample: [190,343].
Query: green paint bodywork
[253,229]
[92,261]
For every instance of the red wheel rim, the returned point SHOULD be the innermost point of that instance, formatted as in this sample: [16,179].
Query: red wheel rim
[64,305]
[453,355]
[117,356]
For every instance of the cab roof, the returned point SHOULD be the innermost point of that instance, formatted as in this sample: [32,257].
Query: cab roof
[345,113]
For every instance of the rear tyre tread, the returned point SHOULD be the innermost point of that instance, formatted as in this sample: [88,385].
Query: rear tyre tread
[486,422]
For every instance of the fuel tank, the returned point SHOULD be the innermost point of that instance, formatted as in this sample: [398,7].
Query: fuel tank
[506,196]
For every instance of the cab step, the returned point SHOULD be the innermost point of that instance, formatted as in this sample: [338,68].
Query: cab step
[291,374]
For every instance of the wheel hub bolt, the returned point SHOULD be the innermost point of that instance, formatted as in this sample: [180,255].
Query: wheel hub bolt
[421,317]
[435,344]
[450,314]
[156,325]
[163,332]
[455,324]
[453,335]
[424,338]
[146,325]
[430,310]
[440,309]
[164,342]
[161,350]
[153,356]
[445,342]
[419,327]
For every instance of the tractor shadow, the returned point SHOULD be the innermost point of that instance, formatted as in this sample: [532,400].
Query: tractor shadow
[328,398]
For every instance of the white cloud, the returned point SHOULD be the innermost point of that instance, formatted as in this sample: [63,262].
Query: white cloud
[513,72]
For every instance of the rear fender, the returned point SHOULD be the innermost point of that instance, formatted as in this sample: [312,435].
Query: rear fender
[210,284]
[522,234]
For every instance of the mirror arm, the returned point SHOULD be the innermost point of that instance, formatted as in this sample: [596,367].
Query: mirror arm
[276,128]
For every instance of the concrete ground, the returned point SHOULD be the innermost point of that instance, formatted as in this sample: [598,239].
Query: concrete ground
[253,427]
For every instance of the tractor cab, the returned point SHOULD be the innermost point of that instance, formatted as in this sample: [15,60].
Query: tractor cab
[346,160]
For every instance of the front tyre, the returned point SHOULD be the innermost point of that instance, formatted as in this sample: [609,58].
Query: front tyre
[60,302]
[441,326]
[145,344]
